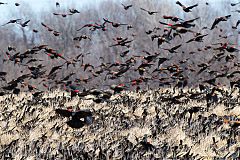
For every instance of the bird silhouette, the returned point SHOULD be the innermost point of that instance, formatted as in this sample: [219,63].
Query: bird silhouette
[234,4]
[149,12]
[122,42]
[74,114]
[73,11]
[172,50]
[24,24]
[180,28]
[62,14]
[219,19]
[94,27]
[237,23]
[198,38]
[12,21]
[126,7]
[118,88]
[57,4]
[81,37]
[172,18]
[185,8]
[75,121]
[114,24]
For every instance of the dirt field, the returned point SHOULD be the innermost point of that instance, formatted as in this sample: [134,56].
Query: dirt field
[147,125]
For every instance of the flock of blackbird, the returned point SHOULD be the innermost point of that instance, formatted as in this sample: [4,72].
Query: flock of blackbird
[176,108]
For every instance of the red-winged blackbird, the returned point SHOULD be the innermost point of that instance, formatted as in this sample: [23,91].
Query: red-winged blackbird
[75,122]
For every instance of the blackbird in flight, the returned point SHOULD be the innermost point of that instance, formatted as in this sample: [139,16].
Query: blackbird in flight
[219,19]
[185,8]
[126,7]
[149,12]
[75,121]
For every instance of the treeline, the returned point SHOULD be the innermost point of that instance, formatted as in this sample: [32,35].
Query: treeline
[95,46]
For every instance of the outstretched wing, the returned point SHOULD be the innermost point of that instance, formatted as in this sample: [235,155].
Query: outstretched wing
[191,7]
[63,112]
[191,20]
[176,47]
[180,4]
[238,22]
[144,9]
[82,114]
[25,23]
[75,123]
[216,21]
[190,40]
[123,5]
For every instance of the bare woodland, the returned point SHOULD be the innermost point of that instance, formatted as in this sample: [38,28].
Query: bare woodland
[193,53]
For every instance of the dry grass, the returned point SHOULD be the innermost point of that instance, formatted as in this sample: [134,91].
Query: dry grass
[30,129]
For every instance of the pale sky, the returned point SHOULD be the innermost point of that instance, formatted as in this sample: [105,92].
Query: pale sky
[41,5]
